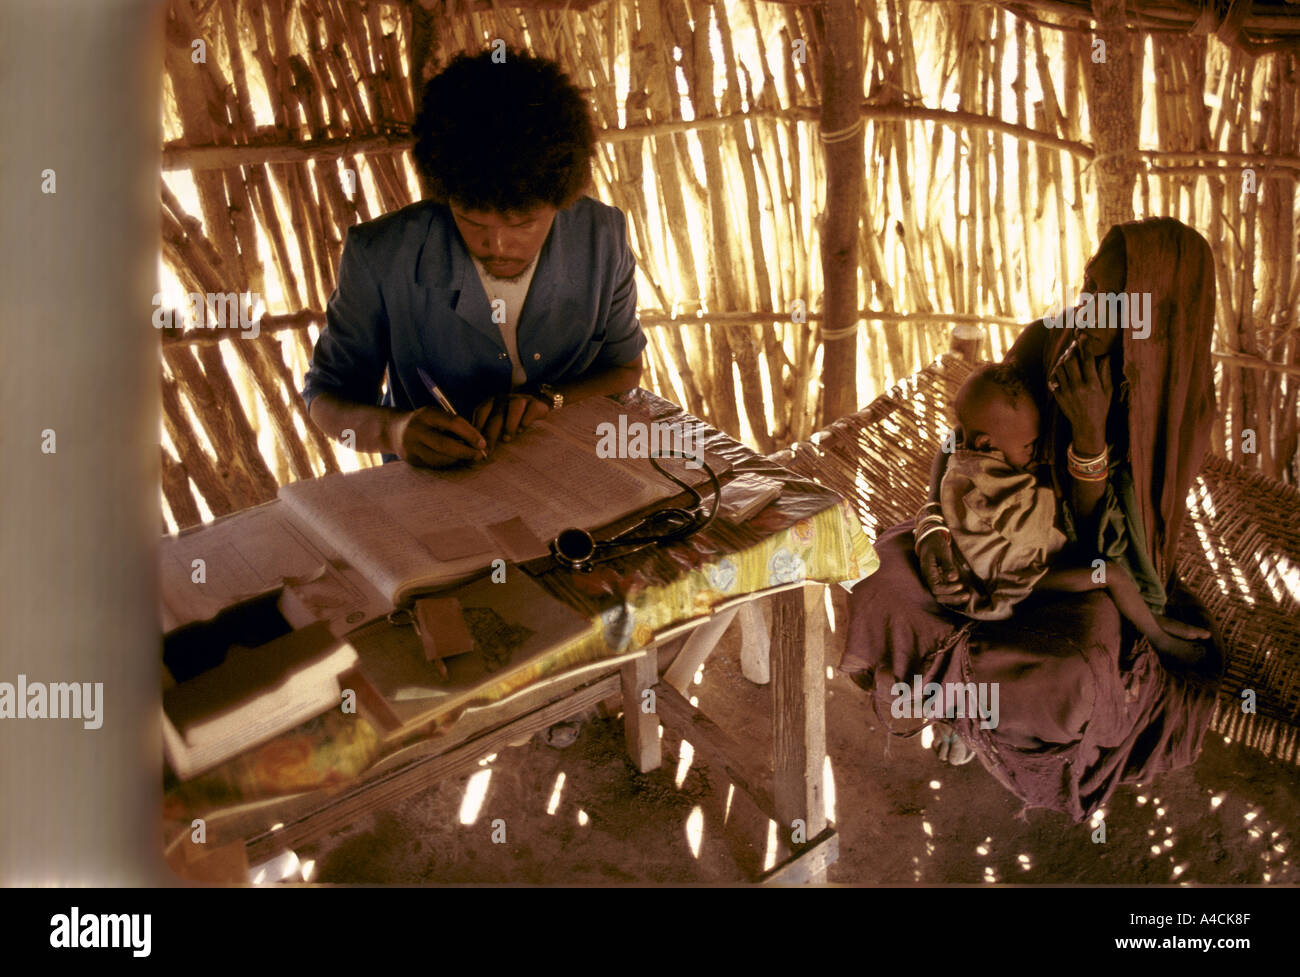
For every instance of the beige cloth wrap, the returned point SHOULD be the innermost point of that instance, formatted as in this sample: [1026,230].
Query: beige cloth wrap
[1003,526]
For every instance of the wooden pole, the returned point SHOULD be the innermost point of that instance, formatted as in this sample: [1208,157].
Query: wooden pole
[1110,107]
[79,483]
[842,146]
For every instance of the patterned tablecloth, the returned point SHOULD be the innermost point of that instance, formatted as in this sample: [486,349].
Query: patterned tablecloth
[809,533]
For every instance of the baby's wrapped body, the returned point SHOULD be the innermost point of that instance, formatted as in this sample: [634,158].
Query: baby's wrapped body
[1004,530]
[1006,541]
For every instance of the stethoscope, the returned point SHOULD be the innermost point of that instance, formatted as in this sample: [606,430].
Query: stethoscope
[578,550]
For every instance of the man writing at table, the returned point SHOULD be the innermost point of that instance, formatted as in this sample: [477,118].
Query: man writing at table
[508,288]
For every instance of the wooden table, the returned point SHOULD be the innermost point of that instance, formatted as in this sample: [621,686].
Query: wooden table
[790,659]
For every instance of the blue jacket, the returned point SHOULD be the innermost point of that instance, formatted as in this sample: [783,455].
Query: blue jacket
[408,296]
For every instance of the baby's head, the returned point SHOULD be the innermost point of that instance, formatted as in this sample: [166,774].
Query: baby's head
[996,411]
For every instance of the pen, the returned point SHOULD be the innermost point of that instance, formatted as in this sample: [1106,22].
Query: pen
[439,396]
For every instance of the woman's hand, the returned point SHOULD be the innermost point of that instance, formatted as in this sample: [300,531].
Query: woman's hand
[1083,393]
[939,570]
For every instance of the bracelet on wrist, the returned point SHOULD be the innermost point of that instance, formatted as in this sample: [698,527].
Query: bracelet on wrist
[1078,459]
[1078,476]
[1092,469]
[929,531]
[930,510]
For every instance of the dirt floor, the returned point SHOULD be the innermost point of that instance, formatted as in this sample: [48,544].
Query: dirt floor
[583,815]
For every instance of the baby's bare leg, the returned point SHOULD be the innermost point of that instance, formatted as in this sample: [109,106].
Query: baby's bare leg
[1128,598]
[1180,630]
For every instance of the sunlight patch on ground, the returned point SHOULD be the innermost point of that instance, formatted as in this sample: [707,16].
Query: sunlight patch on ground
[769,859]
[284,867]
[554,803]
[684,763]
[828,779]
[695,829]
[830,609]
[582,818]
[475,791]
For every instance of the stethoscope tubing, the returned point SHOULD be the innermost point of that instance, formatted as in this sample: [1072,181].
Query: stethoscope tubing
[691,523]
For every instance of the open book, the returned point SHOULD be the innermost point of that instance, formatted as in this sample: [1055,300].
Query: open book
[408,529]
[254,695]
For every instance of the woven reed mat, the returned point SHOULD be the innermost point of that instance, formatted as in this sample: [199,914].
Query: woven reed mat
[1239,553]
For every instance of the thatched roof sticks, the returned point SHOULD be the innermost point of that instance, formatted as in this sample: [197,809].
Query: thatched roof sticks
[215,487]
[176,490]
[998,204]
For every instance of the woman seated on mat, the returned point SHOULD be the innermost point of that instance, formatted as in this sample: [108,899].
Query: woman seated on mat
[1003,523]
[1085,703]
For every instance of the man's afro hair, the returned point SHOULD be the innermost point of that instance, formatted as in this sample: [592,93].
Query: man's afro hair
[504,136]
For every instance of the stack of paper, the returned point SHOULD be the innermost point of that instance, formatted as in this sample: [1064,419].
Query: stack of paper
[254,695]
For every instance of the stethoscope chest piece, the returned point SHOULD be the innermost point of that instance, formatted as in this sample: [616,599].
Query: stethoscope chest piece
[574,548]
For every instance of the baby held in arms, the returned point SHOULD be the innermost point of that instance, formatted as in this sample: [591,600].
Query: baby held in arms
[1004,525]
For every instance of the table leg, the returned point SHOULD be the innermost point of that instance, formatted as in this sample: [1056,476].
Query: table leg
[799,711]
[755,644]
[697,648]
[641,727]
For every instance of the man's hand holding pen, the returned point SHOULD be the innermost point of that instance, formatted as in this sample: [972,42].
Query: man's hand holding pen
[437,437]
[433,438]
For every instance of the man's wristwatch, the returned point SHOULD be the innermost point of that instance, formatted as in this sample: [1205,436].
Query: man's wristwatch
[548,395]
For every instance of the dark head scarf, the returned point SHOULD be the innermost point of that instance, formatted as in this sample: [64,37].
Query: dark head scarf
[1169,373]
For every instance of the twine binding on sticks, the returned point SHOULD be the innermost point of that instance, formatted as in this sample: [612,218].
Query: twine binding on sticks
[840,135]
[842,333]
